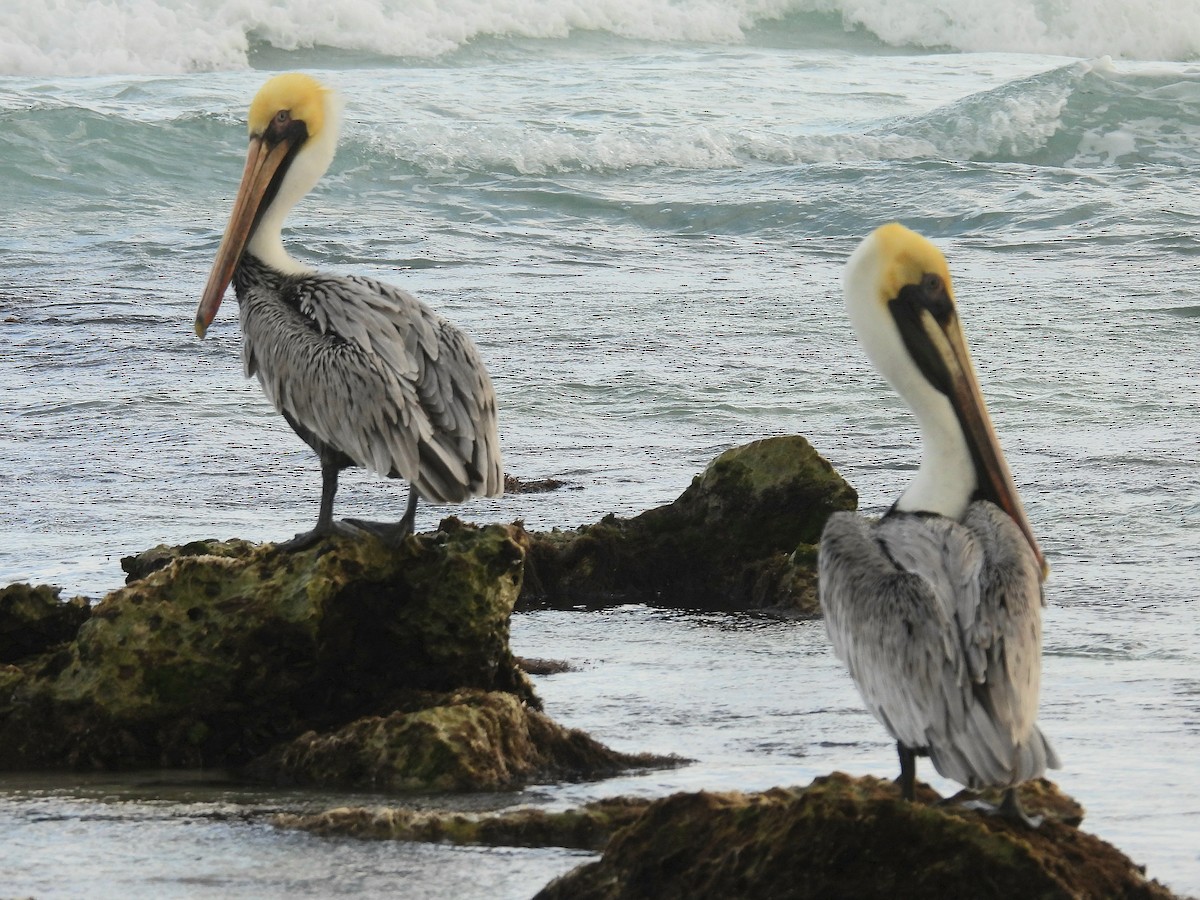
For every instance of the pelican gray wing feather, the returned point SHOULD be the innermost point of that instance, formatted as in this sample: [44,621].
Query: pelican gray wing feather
[938,622]
[369,371]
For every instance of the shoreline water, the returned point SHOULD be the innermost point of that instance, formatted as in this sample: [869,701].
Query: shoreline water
[645,237]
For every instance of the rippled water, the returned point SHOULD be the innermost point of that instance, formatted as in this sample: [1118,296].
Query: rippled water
[645,239]
[163,835]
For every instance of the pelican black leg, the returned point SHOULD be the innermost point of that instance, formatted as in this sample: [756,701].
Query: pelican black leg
[410,512]
[325,525]
[329,486]
[908,771]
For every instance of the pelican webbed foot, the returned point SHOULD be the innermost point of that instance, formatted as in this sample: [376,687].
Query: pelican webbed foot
[391,533]
[307,539]
[1010,808]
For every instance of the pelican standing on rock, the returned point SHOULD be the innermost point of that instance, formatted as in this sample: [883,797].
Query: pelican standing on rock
[365,374]
[936,607]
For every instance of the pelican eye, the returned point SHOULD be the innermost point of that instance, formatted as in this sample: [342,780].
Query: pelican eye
[935,297]
[284,127]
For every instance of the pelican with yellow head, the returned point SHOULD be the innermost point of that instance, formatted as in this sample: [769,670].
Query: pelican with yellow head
[936,607]
[365,373]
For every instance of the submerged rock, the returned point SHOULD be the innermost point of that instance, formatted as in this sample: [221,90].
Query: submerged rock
[325,663]
[515,485]
[742,536]
[845,838]
[586,828]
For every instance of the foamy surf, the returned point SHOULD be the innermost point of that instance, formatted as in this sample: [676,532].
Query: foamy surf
[86,37]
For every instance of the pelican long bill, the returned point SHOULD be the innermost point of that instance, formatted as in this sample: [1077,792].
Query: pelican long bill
[263,162]
[948,345]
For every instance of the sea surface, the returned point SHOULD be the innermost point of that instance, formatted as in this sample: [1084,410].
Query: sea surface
[640,209]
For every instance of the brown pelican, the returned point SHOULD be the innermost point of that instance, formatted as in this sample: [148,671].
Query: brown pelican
[936,607]
[364,373]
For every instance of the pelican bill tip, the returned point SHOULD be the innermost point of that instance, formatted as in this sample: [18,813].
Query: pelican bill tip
[201,328]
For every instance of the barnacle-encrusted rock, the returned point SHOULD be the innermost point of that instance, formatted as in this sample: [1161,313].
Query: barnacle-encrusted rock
[348,663]
[742,536]
[844,838]
[213,658]
[33,619]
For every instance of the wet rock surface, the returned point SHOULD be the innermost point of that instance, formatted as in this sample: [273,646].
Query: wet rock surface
[350,663]
[845,838]
[586,828]
[742,536]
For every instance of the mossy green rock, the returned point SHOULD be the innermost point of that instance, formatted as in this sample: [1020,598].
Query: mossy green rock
[469,740]
[846,838]
[215,657]
[33,619]
[586,828]
[742,536]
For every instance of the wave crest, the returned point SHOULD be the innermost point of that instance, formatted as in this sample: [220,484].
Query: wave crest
[174,36]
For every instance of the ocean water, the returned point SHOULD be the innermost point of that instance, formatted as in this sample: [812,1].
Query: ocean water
[640,211]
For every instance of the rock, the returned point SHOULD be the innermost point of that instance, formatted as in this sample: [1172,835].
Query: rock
[851,838]
[33,619]
[214,659]
[586,828]
[515,485]
[544,666]
[1040,795]
[469,740]
[742,536]
[142,564]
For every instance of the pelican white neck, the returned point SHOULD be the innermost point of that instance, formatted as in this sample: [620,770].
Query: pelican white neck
[946,479]
[309,164]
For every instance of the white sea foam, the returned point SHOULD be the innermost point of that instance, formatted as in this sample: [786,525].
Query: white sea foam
[1157,30]
[89,36]
[79,37]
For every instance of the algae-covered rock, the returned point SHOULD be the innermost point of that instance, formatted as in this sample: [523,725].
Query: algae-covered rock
[213,659]
[844,838]
[468,740]
[586,828]
[33,619]
[742,536]
[142,564]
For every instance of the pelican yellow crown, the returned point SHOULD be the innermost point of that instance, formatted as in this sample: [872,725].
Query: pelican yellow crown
[909,258]
[300,95]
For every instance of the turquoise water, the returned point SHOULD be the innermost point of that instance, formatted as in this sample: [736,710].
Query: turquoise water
[640,212]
